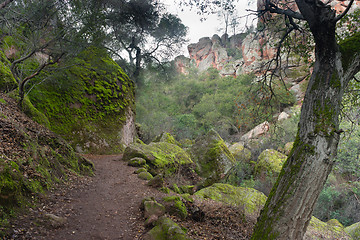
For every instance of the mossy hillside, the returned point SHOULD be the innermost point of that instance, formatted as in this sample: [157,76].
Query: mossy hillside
[212,156]
[88,102]
[320,230]
[32,166]
[7,80]
[354,230]
[161,157]
[251,199]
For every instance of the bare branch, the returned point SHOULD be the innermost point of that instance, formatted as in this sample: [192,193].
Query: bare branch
[272,8]
[4,4]
[345,12]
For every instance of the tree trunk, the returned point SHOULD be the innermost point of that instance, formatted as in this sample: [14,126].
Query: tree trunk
[289,207]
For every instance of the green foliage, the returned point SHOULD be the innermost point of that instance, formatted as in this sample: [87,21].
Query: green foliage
[190,105]
[339,201]
[347,161]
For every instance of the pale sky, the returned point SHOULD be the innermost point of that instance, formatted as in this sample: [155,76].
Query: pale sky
[207,28]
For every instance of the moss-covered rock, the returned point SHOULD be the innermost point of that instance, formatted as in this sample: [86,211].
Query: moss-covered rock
[175,206]
[152,211]
[354,231]
[137,162]
[269,163]
[145,176]
[249,198]
[90,103]
[320,230]
[166,137]
[166,229]
[161,157]
[287,148]
[240,153]
[213,158]
[7,80]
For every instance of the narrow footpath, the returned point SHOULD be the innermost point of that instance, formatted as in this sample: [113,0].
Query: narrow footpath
[105,206]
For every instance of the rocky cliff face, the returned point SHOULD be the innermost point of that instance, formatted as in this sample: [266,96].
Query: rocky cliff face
[238,54]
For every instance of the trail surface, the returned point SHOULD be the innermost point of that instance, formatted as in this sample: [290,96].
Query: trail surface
[105,206]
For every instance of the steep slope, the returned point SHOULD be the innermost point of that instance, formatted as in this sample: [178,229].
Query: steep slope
[32,159]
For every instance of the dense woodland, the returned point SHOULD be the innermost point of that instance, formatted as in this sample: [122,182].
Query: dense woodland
[102,76]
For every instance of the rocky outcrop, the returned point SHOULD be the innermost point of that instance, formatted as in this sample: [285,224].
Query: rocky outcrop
[269,163]
[161,157]
[90,104]
[354,230]
[332,229]
[212,157]
[250,199]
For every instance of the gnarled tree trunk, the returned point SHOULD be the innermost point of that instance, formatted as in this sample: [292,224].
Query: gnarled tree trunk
[289,207]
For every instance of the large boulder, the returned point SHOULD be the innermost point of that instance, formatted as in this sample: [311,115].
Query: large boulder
[321,230]
[213,158]
[90,103]
[166,137]
[249,198]
[161,157]
[269,163]
[240,153]
[354,231]
[257,131]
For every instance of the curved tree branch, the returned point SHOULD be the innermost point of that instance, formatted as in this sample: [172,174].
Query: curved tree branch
[345,12]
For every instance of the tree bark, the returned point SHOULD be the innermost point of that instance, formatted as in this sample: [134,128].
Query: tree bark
[289,207]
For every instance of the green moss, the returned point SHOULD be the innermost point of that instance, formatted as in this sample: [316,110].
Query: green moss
[330,230]
[175,206]
[250,199]
[349,48]
[7,80]
[354,231]
[269,163]
[34,114]
[2,101]
[166,229]
[145,176]
[87,103]
[213,158]
[161,157]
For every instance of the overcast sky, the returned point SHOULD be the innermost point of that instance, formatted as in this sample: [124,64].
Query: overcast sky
[198,29]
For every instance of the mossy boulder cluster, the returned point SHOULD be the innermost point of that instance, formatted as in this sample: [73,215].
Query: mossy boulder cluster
[90,103]
[332,229]
[212,157]
[269,163]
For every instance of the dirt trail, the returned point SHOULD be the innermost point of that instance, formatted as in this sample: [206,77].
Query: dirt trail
[108,208]
[105,206]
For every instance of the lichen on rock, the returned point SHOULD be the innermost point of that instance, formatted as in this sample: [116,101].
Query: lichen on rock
[269,163]
[321,230]
[354,231]
[250,199]
[161,157]
[213,158]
